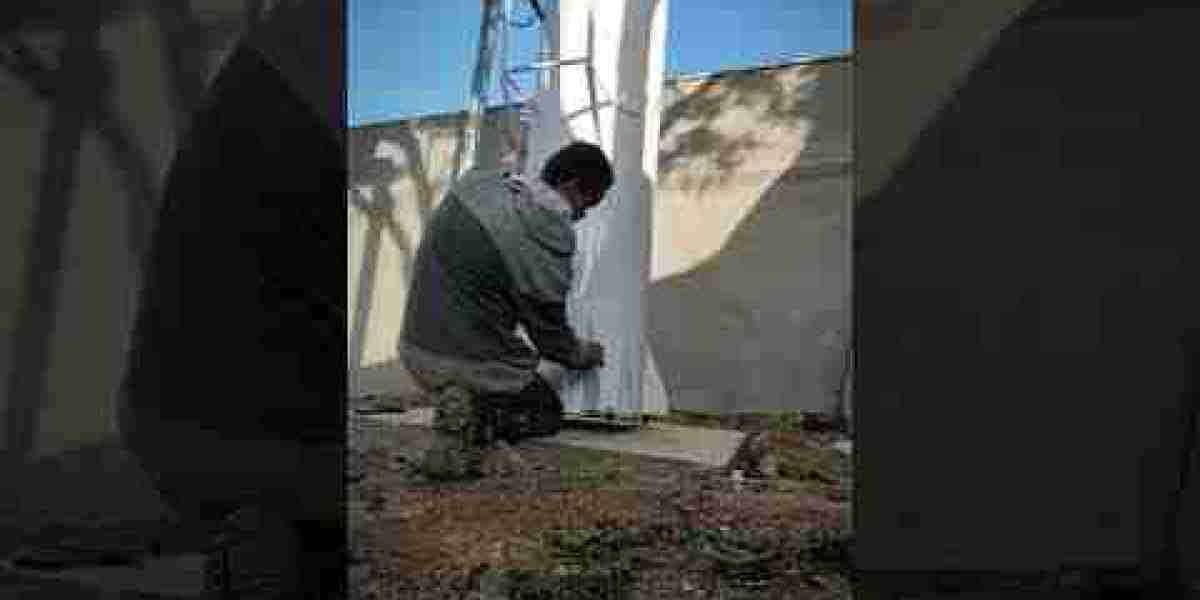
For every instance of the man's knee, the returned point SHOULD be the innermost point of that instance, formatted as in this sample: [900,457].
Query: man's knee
[461,413]
[462,432]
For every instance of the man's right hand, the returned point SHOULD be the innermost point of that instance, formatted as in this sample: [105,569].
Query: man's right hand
[591,355]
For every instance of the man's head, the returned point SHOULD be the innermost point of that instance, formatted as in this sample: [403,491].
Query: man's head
[581,174]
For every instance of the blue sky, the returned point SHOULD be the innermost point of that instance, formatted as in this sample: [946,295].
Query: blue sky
[412,57]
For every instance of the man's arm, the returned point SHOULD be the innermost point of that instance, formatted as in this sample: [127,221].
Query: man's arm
[546,323]
[541,265]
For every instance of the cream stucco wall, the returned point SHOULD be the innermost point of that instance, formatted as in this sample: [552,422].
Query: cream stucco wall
[747,290]
[398,174]
[96,103]
[1020,301]
[916,54]
[95,98]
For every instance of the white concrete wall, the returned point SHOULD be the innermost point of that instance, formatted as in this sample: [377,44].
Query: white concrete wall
[747,298]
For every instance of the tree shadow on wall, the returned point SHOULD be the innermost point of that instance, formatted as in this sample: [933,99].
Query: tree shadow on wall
[696,129]
[75,80]
[743,330]
[373,175]
[384,155]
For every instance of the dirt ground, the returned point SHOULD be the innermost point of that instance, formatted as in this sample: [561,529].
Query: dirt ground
[570,523]
[559,522]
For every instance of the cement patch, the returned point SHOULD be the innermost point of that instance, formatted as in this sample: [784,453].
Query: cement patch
[713,447]
[414,417]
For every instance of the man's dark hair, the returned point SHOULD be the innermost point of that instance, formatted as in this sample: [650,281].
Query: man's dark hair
[579,160]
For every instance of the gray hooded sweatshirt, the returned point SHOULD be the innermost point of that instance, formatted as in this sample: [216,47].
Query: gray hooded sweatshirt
[495,255]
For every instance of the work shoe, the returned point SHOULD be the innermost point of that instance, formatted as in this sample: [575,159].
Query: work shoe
[461,435]
[519,419]
[536,412]
[547,417]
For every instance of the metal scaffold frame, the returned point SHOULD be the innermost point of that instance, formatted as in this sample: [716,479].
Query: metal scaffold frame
[493,56]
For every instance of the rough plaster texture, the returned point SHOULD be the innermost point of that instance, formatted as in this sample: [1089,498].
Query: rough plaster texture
[79,199]
[706,446]
[916,54]
[94,97]
[99,95]
[1019,303]
[747,295]
[398,175]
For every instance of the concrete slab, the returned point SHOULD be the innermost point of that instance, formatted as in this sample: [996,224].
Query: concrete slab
[174,577]
[414,417]
[384,379]
[713,447]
